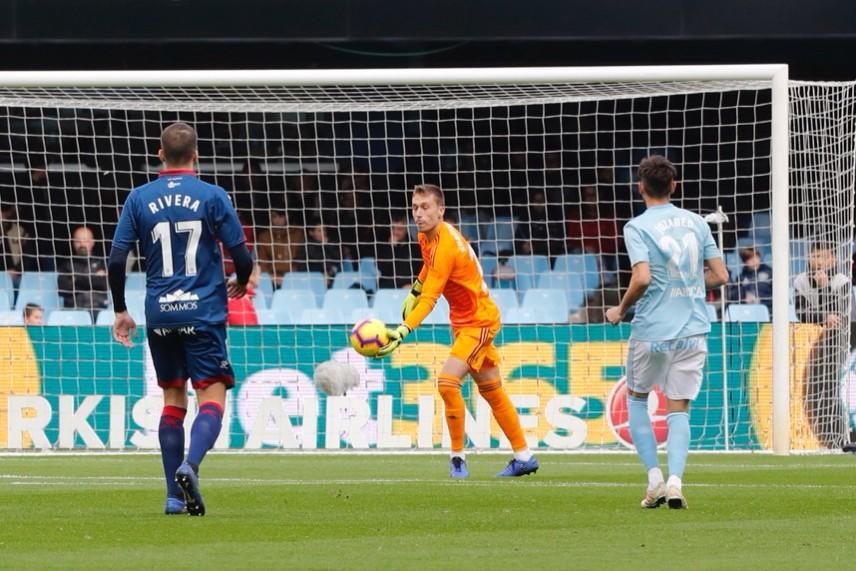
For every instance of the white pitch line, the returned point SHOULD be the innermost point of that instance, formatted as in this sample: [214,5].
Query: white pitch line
[529,482]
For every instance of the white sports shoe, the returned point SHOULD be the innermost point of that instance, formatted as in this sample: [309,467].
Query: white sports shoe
[655,497]
[676,499]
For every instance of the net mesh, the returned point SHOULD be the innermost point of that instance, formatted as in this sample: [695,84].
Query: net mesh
[539,178]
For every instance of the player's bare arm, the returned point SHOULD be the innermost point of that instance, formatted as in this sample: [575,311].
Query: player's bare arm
[639,282]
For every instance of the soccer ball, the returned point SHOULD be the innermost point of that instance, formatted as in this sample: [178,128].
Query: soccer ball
[368,336]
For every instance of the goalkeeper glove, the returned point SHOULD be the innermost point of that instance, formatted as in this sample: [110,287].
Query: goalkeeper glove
[395,337]
[411,299]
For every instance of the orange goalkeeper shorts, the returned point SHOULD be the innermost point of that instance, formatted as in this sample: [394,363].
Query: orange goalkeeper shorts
[474,345]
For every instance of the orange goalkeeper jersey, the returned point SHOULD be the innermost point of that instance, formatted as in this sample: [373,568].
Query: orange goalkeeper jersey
[450,268]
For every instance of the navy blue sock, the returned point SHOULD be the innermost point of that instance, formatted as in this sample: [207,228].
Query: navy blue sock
[204,432]
[171,436]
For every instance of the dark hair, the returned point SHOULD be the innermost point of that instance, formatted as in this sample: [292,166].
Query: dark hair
[30,308]
[432,189]
[818,245]
[747,253]
[657,174]
[178,142]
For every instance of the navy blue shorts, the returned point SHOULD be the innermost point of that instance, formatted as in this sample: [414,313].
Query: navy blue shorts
[197,352]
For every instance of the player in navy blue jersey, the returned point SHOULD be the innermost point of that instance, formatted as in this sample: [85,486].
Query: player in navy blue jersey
[178,220]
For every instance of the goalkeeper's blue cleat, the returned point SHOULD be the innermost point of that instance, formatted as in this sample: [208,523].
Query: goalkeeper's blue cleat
[517,468]
[458,468]
[174,506]
[187,479]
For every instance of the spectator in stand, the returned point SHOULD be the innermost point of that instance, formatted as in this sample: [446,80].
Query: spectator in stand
[17,249]
[354,217]
[755,283]
[591,226]
[537,233]
[241,309]
[34,314]
[82,279]
[822,296]
[504,276]
[398,258]
[321,255]
[279,247]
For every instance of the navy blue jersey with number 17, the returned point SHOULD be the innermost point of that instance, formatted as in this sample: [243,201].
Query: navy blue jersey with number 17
[178,220]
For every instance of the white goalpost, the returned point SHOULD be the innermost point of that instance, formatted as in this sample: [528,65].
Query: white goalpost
[538,165]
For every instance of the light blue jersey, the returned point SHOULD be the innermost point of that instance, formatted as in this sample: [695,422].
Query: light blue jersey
[675,243]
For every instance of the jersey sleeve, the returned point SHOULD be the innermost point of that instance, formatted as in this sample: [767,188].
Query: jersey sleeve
[437,272]
[226,223]
[125,236]
[636,248]
[711,250]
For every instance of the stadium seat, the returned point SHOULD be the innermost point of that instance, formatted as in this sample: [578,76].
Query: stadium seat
[369,274]
[38,287]
[345,280]
[524,316]
[733,263]
[527,269]
[799,256]
[584,265]
[344,301]
[136,302]
[289,303]
[756,312]
[11,318]
[506,299]
[488,264]
[267,317]
[266,287]
[387,304]
[499,235]
[554,301]
[468,227]
[792,313]
[7,292]
[711,312]
[69,317]
[259,301]
[571,284]
[360,313]
[440,313]
[319,316]
[313,281]
[105,318]
[135,281]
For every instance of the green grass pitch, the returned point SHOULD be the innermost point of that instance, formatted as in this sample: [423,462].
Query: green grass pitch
[361,511]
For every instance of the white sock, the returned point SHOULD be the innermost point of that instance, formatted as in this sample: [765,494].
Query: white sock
[674,481]
[462,455]
[523,455]
[655,476]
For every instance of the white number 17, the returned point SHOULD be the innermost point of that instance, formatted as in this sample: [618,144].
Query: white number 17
[161,233]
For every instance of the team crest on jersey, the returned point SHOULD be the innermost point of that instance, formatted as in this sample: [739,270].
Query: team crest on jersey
[179,300]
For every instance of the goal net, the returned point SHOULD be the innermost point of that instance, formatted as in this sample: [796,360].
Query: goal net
[538,168]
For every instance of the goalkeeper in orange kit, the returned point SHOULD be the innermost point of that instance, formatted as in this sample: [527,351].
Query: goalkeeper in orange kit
[450,268]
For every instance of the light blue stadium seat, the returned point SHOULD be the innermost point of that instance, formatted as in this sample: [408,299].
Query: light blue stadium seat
[136,281]
[586,266]
[11,318]
[488,264]
[7,291]
[553,300]
[506,299]
[440,313]
[527,269]
[799,250]
[733,263]
[468,227]
[571,284]
[319,316]
[792,313]
[526,316]
[755,312]
[344,280]
[289,303]
[360,313]
[266,287]
[711,312]
[369,273]
[38,287]
[313,281]
[267,317]
[499,235]
[69,317]
[136,302]
[387,304]
[105,318]
[344,301]
[259,301]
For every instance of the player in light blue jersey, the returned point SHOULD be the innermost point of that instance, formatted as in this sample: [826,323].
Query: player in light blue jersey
[179,222]
[674,259]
